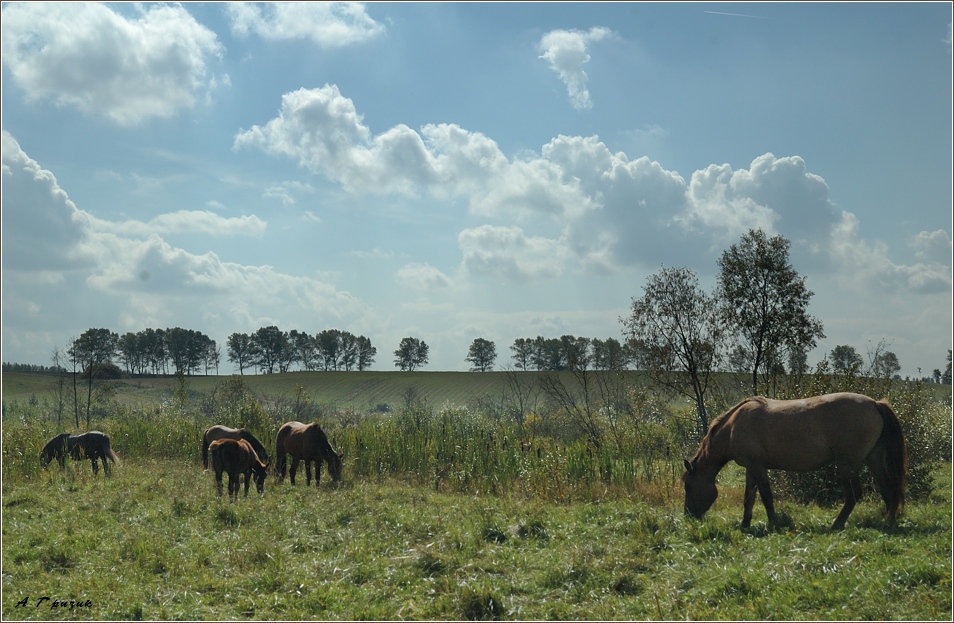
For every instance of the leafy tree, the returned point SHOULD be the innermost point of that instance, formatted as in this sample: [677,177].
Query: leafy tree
[678,325]
[328,344]
[609,354]
[946,377]
[241,350]
[364,353]
[270,347]
[411,354]
[348,351]
[886,365]
[481,355]
[764,301]
[522,353]
[303,349]
[845,360]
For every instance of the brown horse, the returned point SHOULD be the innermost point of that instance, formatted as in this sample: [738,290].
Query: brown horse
[224,432]
[92,445]
[305,443]
[236,456]
[801,435]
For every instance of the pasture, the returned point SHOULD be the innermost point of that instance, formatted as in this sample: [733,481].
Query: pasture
[447,512]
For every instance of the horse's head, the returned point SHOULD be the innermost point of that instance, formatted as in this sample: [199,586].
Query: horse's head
[701,492]
[334,465]
[260,471]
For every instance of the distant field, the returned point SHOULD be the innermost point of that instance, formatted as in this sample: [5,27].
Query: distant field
[358,390]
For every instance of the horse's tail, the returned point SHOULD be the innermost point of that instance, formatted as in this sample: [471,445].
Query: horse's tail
[205,452]
[895,460]
[108,452]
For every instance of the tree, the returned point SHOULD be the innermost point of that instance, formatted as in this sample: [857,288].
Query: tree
[94,347]
[946,377]
[609,354]
[845,360]
[271,348]
[481,355]
[411,354]
[241,351]
[522,353]
[678,325]
[365,353]
[764,301]
[886,365]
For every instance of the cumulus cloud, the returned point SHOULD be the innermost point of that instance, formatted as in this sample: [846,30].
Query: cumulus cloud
[327,24]
[322,130]
[50,228]
[62,263]
[576,205]
[508,253]
[566,52]
[88,56]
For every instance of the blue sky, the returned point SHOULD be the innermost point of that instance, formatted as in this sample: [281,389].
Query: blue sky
[451,171]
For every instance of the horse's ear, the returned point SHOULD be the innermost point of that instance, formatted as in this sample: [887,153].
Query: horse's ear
[687,464]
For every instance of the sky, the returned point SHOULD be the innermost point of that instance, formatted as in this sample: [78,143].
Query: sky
[453,171]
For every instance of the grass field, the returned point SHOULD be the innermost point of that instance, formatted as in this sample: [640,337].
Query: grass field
[153,541]
[441,514]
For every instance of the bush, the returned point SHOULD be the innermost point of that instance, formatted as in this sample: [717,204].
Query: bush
[926,423]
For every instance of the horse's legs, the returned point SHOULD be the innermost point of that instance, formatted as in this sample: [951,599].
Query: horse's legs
[760,478]
[317,472]
[280,463]
[876,466]
[218,482]
[294,469]
[308,472]
[852,485]
[749,499]
[95,461]
[248,477]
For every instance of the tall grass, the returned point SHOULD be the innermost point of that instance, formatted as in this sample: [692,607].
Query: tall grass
[488,448]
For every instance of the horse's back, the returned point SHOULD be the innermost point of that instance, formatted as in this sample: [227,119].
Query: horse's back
[805,434]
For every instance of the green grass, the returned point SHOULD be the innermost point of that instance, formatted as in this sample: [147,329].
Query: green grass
[154,541]
[445,512]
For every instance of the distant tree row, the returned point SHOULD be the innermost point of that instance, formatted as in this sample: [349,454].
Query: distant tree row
[571,352]
[270,350]
[150,351]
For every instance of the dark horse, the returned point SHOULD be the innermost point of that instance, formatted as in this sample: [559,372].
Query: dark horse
[224,432]
[305,443]
[801,435]
[237,457]
[93,445]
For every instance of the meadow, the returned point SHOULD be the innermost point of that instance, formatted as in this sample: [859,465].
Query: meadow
[468,509]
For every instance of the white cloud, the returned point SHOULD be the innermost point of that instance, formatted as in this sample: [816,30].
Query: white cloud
[327,24]
[422,277]
[566,51]
[186,222]
[67,270]
[50,229]
[576,205]
[508,253]
[88,56]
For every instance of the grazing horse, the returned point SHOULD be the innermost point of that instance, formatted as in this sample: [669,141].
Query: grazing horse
[224,432]
[305,443]
[93,445]
[801,435]
[236,456]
